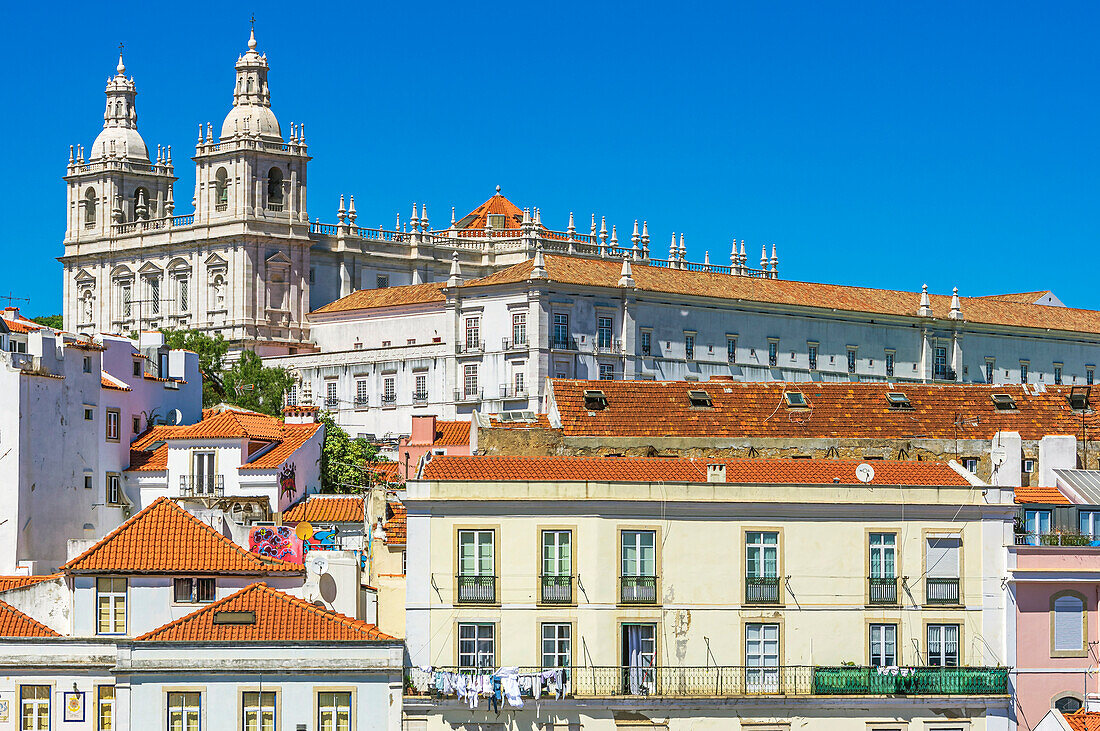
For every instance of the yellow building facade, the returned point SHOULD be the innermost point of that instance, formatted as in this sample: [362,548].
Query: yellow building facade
[745,594]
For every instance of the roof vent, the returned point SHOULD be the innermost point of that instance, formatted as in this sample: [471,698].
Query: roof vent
[1003,401]
[898,400]
[716,472]
[796,400]
[594,400]
[700,398]
[1079,397]
[248,617]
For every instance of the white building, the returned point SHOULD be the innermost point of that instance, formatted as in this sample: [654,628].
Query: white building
[490,343]
[69,408]
[173,625]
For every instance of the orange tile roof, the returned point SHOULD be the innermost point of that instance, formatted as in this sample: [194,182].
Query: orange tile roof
[496,205]
[1083,720]
[1046,495]
[396,525]
[327,509]
[1027,298]
[106,382]
[839,410]
[408,294]
[293,437]
[21,326]
[287,438]
[986,310]
[278,617]
[233,425]
[541,422]
[14,623]
[166,539]
[452,433]
[661,469]
[7,583]
[387,471]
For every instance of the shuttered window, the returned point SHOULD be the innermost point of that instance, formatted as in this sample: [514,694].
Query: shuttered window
[941,558]
[1069,624]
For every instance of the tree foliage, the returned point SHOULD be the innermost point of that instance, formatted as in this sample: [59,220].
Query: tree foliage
[211,352]
[252,385]
[57,322]
[345,462]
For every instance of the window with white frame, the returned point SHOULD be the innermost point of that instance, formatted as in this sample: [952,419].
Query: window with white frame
[389,390]
[761,554]
[990,366]
[603,333]
[1057,374]
[851,360]
[330,394]
[647,342]
[194,590]
[473,333]
[1068,625]
[943,645]
[883,645]
[105,708]
[113,491]
[689,346]
[762,656]
[469,380]
[292,395]
[113,417]
[475,552]
[607,371]
[518,378]
[334,711]
[110,606]
[258,710]
[639,553]
[476,645]
[970,464]
[34,707]
[519,328]
[1024,366]
[420,391]
[1089,522]
[561,330]
[811,352]
[773,353]
[557,641]
[883,555]
[184,711]
[361,394]
[557,553]
[203,477]
[731,350]
[890,362]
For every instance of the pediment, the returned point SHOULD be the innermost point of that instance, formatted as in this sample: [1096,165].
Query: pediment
[178,264]
[278,259]
[121,272]
[150,268]
[85,276]
[215,261]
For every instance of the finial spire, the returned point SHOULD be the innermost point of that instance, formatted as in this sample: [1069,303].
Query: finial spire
[455,278]
[252,33]
[925,309]
[956,307]
[626,275]
[538,266]
[498,190]
[121,68]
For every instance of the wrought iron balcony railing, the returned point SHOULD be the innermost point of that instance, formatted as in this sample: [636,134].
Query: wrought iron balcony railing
[563,344]
[420,397]
[202,485]
[477,589]
[513,344]
[882,590]
[638,590]
[388,399]
[732,681]
[1055,539]
[461,396]
[941,591]
[557,590]
[513,392]
[762,589]
[361,402]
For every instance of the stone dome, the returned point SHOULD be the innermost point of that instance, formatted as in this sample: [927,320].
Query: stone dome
[134,145]
[250,119]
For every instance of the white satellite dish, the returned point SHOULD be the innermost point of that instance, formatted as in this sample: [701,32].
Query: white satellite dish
[318,564]
[865,472]
[998,455]
[174,418]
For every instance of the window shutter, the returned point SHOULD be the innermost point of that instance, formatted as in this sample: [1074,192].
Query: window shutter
[941,558]
[1068,623]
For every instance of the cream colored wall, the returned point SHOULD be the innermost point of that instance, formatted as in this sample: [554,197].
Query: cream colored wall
[700,561]
[390,582]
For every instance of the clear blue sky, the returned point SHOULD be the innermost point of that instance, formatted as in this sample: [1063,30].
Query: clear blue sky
[879,144]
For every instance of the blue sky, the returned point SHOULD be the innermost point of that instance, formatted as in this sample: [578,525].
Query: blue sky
[878,144]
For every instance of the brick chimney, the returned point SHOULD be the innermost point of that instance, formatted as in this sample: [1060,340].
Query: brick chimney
[423,430]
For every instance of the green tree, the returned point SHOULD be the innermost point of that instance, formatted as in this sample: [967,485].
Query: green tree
[211,352]
[344,461]
[55,321]
[252,385]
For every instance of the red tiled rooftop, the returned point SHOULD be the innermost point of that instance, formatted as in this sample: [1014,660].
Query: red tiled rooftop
[21,326]
[293,437]
[327,509]
[1045,495]
[837,410]
[8,583]
[14,623]
[108,381]
[365,299]
[660,469]
[166,539]
[1083,720]
[278,617]
[396,525]
[452,433]
[496,205]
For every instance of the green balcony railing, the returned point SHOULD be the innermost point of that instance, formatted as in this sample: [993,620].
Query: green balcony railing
[910,681]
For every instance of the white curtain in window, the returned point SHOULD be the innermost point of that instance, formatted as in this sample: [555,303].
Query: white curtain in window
[1069,623]
[941,558]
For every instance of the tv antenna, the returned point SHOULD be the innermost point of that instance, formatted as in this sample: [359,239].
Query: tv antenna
[11,298]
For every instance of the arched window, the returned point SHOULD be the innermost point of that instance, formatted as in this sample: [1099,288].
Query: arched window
[89,208]
[1068,704]
[275,186]
[1068,633]
[221,183]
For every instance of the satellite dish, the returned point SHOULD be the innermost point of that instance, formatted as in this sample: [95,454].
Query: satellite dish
[304,530]
[318,564]
[865,472]
[174,418]
[998,455]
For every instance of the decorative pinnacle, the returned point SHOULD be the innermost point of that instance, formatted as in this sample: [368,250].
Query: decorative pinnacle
[121,68]
[252,33]
[498,190]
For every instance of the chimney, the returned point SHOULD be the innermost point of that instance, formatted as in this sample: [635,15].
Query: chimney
[716,472]
[423,429]
[300,414]
[1056,452]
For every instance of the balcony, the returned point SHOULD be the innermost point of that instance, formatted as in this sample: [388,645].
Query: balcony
[361,402]
[882,590]
[477,589]
[420,397]
[272,206]
[941,591]
[513,392]
[389,400]
[331,402]
[202,485]
[556,590]
[638,590]
[762,590]
[943,373]
[732,681]
[469,346]
[1055,539]
[467,396]
[514,344]
[563,344]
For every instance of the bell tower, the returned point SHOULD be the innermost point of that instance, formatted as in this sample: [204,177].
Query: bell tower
[251,172]
[114,186]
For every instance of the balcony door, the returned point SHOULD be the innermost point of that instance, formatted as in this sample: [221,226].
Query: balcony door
[557,566]
[203,473]
[639,658]
[762,657]
[639,567]
[1037,524]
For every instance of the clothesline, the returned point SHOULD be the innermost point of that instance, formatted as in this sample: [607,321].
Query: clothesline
[474,684]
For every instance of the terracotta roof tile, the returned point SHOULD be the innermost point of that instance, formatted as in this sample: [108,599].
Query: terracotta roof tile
[452,433]
[278,617]
[287,438]
[327,509]
[14,623]
[1046,495]
[293,437]
[496,205]
[541,422]
[986,310]
[7,583]
[1083,720]
[387,471]
[660,469]
[839,410]
[396,525]
[21,326]
[365,299]
[231,425]
[166,539]
[109,381]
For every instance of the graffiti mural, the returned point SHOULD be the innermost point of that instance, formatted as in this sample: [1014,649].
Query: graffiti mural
[287,481]
[275,542]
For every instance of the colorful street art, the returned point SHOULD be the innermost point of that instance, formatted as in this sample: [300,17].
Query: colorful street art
[288,486]
[276,542]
